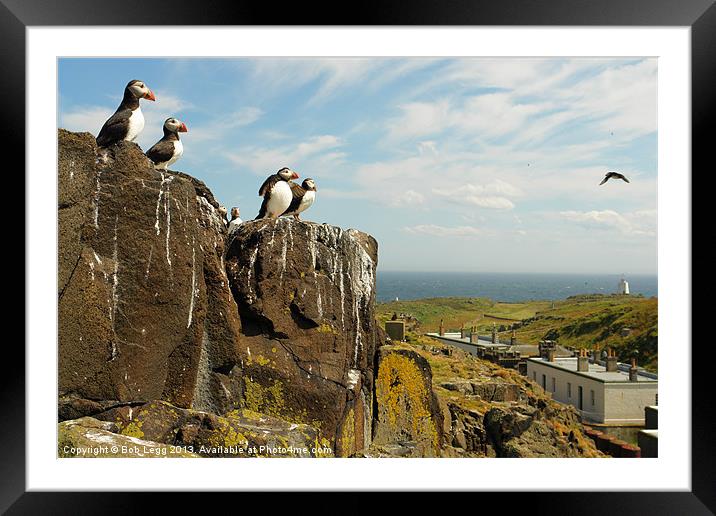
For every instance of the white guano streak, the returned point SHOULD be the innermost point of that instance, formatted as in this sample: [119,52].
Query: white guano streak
[167,211]
[193,281]
[115,285]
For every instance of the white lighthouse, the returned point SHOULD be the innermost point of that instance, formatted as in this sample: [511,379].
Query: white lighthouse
[623,287]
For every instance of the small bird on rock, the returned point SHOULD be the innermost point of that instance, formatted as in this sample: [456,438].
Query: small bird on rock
[170,148]
[277,194]
[128,121]
[303,197]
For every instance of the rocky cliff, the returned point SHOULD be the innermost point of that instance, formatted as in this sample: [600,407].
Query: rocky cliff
[179,338]
[145,311]
[177,333]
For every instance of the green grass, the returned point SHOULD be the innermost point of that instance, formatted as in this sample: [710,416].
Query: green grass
[589,321]
[456,311]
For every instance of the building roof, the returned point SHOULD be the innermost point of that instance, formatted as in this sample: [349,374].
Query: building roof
[486,342]
[596,371]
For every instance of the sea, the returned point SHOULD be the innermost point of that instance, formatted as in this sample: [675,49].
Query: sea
[505,287]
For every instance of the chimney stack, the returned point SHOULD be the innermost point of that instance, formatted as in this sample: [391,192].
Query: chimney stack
[441,330]
[494,334]
[551,354]
[633,371]
[611,361]
[474,337]
[583,360]
[595,356]
[462,331]
[513,338]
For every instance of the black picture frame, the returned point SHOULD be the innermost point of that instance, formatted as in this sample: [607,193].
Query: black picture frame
[699,15]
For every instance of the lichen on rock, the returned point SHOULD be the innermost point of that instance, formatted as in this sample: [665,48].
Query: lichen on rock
[305,294]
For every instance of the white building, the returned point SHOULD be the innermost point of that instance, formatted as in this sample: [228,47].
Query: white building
[613,397]
[623,286]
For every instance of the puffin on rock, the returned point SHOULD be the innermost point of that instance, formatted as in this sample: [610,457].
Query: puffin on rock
[303,197]
[128,121]
[277,194]
[170,148]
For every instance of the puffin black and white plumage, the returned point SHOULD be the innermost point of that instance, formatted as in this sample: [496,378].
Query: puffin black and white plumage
[613,175]
[128,121]
[223,212]
[170,148]
[235,221]
[303,197]
[277,194]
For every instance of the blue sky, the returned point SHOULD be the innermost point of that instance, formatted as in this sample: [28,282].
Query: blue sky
[471,164]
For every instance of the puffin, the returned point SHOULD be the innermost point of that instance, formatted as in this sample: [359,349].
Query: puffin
[277,194]
[613,175]
[235,219]
[303,197]
[128,121]
[169,149]
[223,212]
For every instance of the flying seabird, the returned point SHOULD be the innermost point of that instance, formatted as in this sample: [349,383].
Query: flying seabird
[277,194]
[303,197]
[170,148]
[128,121]
[613,175]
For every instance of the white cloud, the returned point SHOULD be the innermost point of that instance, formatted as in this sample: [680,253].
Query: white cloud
[313,157]
[217,128]
[638,223]
[85,118]
[538,98]
[444,231]
[484,196]
[408,198]
[333,75]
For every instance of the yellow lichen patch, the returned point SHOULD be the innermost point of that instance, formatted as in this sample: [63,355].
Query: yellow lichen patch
[133,429]
[326,328]
[404,398]
[348,435]
[265,400]
[262,360]
[226,435]
[322,447]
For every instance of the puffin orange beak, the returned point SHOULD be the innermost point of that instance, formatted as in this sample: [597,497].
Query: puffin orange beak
[150,96]
[183,128]
[294,175]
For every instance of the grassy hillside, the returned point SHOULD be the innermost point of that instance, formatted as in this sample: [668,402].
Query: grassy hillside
[456,311]
[588,321]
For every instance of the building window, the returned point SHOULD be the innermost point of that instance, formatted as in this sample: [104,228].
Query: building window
[544,382]
[569,390]
[554,384]
[592,394]
[534,375]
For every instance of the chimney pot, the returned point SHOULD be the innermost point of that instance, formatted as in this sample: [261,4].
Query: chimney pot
[583,361]
[633,371]
[611,361]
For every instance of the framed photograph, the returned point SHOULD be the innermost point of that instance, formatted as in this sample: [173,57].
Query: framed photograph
[409,253]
